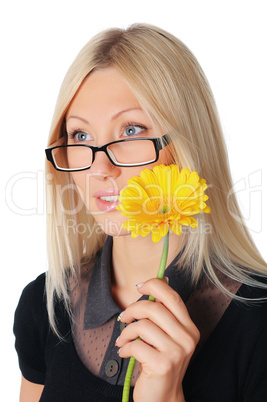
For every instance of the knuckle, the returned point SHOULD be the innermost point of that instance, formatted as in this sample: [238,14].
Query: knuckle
[174,298]
[189,343]
[166,367]
[177,355]
[154,308]
[196,335]
[151,282]
[126,350]
[133,346]
[141,326]
[144,323]
[153,285]
[175,358]
[125,331]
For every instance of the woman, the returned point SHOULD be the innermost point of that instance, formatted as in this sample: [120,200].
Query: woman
[204,339]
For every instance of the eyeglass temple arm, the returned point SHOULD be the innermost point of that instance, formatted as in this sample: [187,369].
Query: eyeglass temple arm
[164,140]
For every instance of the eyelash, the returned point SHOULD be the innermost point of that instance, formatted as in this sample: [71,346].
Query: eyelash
[73,132]
[133,124]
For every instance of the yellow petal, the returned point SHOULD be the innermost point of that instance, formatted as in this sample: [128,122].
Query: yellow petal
[174,179]
[134,189]
[148,176]
[164,176]
[185,221]
[164,228]
[145,229]
[184,174]
[194,179]
[155,237]
[134,234]
[194,223]
[176,228]
[207,209]
[162,197]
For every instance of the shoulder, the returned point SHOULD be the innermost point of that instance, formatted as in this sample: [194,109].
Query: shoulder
[246,312]
[253,305]
[249,328]
[36,287]
[245,320]
[256,289]
[33,300]
[31,327]
[235,341]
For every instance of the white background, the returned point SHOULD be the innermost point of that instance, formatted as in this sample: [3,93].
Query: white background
[39,42]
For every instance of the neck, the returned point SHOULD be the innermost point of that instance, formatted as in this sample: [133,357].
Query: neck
[137,260]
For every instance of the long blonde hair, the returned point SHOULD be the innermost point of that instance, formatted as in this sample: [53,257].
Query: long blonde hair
[172,88]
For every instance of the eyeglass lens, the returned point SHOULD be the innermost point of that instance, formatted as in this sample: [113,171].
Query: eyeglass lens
[128,152]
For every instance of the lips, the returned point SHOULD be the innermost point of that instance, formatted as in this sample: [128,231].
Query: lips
[105,193]
[107,200]
[110,198]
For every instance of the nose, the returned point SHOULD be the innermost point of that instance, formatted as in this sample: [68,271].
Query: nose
[102,168]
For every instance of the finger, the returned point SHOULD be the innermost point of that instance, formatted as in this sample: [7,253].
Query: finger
[162,318]
[148,332]
[154,362]
[157,301]
[156,338]
[168,297]
[166,279]
[140,351]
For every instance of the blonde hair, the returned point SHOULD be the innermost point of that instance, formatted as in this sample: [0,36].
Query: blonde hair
[173,90]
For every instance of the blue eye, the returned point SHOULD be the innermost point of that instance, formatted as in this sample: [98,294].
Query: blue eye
[133,130]
[79,136]
[82,136]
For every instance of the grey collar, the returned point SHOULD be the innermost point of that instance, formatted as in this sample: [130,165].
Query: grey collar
[100,306]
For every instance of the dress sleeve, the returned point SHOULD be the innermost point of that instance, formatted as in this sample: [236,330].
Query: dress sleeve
[31,329]
[256,383]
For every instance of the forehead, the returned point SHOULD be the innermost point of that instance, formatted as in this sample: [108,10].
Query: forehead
[106,89]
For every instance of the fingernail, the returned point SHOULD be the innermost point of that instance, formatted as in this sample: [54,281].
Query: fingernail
[116,341]
[119,317]
[139,285]
[118,351]
[166,279]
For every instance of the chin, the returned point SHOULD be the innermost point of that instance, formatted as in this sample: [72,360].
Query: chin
[113,228]
[117,233]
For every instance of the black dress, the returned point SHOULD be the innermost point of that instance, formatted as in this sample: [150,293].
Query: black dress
[230,366]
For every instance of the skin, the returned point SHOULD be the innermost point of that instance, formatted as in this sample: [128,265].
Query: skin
[102,96]
[169,337]
[168,340]
[30,392]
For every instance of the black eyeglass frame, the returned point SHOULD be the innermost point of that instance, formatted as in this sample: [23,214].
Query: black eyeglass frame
[159,144]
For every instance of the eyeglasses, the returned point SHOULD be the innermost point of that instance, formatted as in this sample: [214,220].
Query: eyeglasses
[127,153]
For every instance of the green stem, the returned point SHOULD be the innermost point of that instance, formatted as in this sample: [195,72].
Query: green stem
[127,381]
[163,261]
[130,369]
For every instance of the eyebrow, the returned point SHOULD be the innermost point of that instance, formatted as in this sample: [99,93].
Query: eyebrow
[113,117]
[116,115]
[79,118]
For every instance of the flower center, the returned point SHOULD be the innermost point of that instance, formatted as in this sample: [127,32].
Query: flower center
[164,209]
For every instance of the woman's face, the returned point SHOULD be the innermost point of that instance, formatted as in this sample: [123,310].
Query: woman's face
[105,110]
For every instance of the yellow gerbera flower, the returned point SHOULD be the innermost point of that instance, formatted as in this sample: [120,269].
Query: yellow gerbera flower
[162,198]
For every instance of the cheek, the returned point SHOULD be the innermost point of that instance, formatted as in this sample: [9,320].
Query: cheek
[165,157]
[80,180]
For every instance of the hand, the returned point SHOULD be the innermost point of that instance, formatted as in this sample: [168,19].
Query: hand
[168,340]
